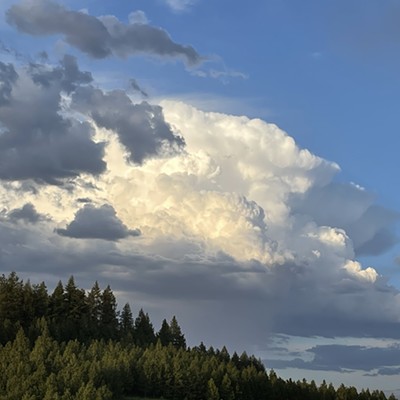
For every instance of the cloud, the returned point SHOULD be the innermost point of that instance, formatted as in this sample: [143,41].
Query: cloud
[67,75]
[138,17]
[97,37]
[180,5]
[8,76]
[97,223]
[53,139]
[351,208]
[27,213]
[141,128]
[37,141]
[342,358]
[236,220]
[136,87]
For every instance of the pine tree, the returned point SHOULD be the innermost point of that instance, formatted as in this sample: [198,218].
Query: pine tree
[94,307]
[126,324]
[27,311]
[212,390]
[11,297]
[164,334]
[40,300]
[144,331]
[108,314]
[226,389]
[177,337]
[75,310]
[11,306]
[57,303]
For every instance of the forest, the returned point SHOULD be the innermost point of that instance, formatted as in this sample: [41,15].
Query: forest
[76,344]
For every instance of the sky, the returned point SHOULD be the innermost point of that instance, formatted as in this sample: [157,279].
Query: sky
[235,165]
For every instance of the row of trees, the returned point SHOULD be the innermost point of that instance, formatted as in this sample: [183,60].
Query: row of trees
[71,313]
[103,370]
[74,345]
[50,370]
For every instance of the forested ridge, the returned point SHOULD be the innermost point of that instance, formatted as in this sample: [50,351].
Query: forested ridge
[75,344]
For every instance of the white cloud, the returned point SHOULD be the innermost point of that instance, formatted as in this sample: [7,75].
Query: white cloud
[138,17]
[180,5]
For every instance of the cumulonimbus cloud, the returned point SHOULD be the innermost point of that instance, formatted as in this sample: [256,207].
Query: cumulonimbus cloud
[230,209]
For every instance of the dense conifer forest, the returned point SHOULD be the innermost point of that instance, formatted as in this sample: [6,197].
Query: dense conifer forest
[72,344]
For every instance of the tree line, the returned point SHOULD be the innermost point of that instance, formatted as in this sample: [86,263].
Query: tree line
[72,313]
[73,344]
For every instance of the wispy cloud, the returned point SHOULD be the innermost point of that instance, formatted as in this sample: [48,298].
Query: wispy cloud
[180,5]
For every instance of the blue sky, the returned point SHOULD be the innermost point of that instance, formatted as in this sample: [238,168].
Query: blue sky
[234,198]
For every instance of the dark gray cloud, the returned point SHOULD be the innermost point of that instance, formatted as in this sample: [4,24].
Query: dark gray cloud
[83,200]
[373,233]
[67,75]
[369,226]
[8,77]
[141,128]
[382,241]
[387,371]
[37,141]
[343,358]
[97,223]
[339,312]
[137,88]
[97,37]
[27,213]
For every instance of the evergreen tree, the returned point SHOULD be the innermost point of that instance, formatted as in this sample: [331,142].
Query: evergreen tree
[144,331]
[126,324]
[40,300]
[11,306]
[57,303]
[226,389]
[75,310]
[108,314]
[212,390]
[177,337]
[164,334]
[94,305]
[27,310]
